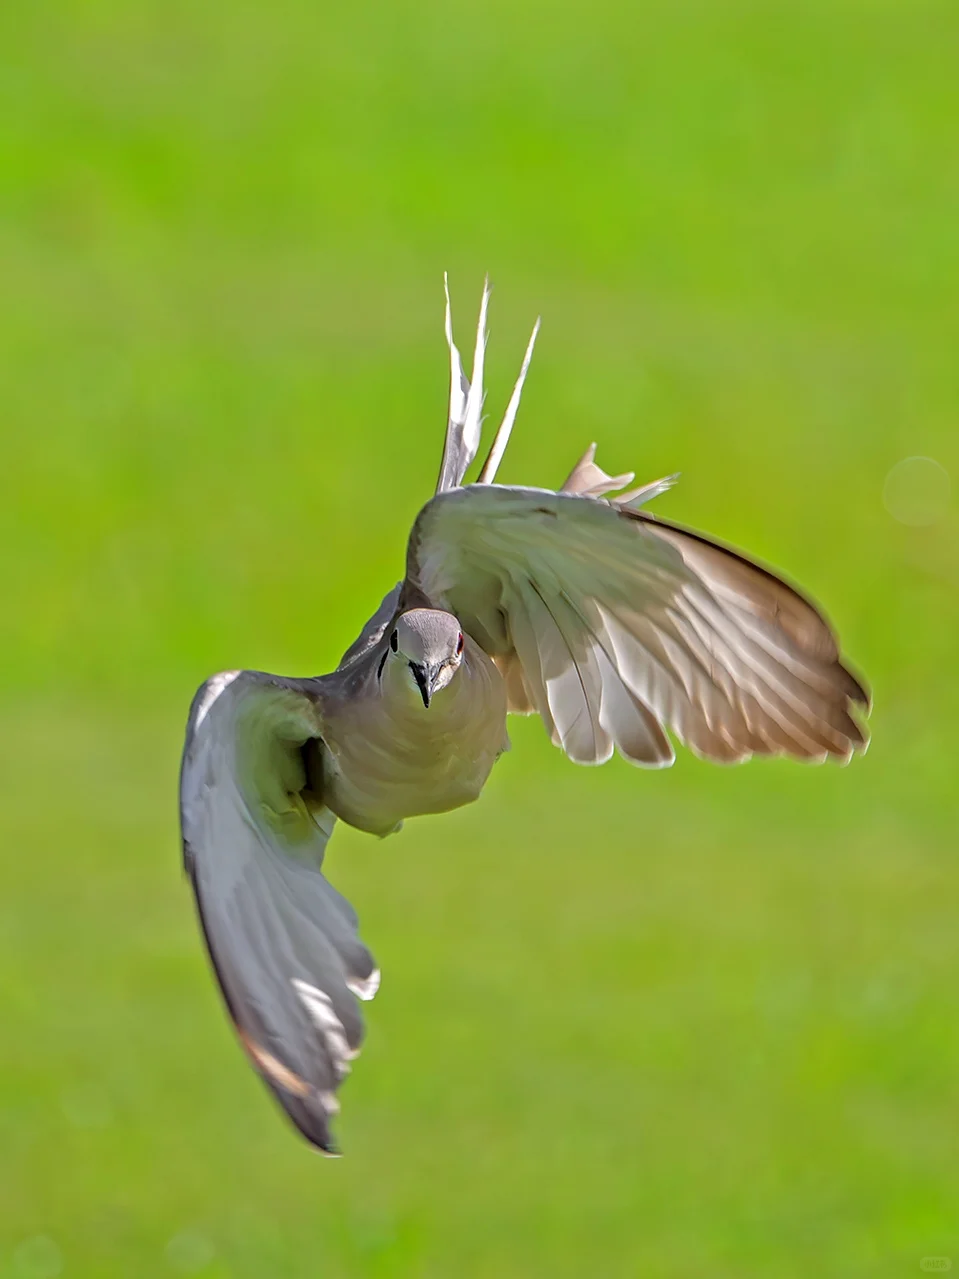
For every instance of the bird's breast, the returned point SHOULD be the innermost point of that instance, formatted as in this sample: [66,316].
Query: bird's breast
[391,757]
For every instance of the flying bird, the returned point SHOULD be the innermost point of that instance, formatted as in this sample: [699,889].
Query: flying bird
[576,605]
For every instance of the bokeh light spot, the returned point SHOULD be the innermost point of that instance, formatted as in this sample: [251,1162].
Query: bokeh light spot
[917,491]
[37,1258]
[189,1251]
[87,1108]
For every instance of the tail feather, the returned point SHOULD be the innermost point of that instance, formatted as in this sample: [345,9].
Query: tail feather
[589,480]
[456,455]
[473,425]
[501,439]
[465,421]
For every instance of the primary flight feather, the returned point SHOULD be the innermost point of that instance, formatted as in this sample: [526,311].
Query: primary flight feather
[610,624]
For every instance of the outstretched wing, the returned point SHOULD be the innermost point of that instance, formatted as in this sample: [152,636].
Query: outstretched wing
[282,940]
[612,624]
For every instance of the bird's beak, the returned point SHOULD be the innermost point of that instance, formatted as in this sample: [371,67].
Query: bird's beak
[426,677]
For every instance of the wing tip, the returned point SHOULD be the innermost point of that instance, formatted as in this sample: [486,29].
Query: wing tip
[365,988]
[307,1109]
[313,1127]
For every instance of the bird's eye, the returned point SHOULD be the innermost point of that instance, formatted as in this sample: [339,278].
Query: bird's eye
[393,641]
[459,644]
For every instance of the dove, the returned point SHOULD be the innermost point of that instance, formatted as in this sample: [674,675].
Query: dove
[621,631]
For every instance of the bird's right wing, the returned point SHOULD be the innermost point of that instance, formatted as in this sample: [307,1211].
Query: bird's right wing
[282,940]
[612,624]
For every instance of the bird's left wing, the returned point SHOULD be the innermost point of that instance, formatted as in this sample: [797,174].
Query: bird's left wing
[282,940]
[612,624]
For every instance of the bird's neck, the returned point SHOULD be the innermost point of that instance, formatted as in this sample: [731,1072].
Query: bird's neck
[403,701]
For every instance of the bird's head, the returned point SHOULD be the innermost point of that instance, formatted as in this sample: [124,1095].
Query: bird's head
[430,644]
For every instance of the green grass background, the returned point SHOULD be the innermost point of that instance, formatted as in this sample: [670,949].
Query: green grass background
[699,1023]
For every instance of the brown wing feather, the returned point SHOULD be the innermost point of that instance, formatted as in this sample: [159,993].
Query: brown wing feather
[730,575]
[610,623]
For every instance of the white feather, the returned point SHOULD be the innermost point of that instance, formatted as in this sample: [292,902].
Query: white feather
[473,423]
[501,439]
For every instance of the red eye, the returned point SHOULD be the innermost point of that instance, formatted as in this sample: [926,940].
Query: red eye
[459,644]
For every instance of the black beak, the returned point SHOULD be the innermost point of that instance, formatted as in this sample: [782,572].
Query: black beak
[425,677]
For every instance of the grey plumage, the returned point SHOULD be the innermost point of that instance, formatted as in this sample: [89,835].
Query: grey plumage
[612,625]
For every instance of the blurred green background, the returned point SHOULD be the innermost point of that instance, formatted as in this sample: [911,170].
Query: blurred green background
[700,1023]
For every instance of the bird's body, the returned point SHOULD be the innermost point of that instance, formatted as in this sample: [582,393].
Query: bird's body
[389,757]
[571,603]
